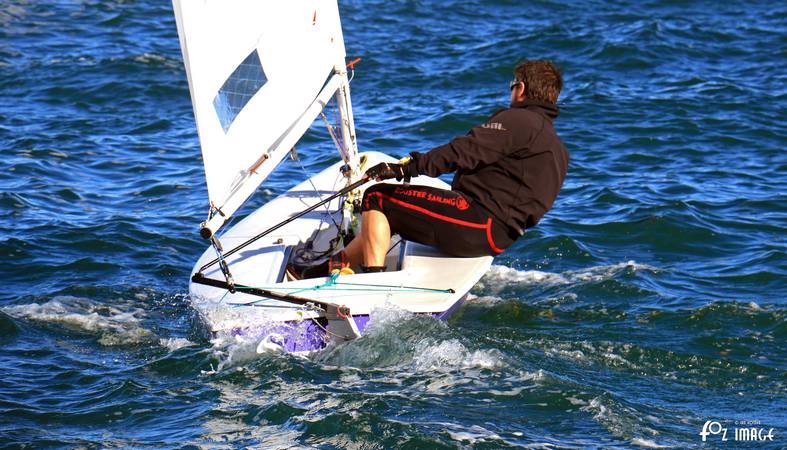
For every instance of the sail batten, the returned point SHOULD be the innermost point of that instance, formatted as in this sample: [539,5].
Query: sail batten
[254,70]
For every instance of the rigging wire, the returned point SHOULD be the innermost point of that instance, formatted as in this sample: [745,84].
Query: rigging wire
[337,140]
[307,252]
[337,119]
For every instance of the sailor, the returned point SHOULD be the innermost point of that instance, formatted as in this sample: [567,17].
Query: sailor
[508,172]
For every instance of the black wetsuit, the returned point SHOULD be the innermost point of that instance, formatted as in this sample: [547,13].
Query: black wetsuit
[509,171]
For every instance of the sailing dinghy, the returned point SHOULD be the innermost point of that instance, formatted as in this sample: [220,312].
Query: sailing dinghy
[259,74]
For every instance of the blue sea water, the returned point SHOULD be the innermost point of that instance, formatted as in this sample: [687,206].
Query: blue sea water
[650,300]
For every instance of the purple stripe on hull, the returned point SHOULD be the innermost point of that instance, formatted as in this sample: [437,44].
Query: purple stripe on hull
[450,311]
[302,336]
[311,335]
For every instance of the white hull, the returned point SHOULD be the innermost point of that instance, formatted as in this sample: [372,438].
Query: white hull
[418,278]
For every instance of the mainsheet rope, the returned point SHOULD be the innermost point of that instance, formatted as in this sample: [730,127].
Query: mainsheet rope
[332,284]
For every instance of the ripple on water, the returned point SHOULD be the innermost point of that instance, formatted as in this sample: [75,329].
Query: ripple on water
[648,299]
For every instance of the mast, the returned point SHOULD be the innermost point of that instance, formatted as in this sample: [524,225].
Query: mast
[348,123]
[350,149]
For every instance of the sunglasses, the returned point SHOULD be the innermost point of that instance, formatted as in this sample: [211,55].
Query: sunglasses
[513,83]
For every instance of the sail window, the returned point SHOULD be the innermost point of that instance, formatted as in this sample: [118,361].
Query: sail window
[238,89]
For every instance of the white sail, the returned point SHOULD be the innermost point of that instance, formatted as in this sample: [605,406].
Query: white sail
[255,69]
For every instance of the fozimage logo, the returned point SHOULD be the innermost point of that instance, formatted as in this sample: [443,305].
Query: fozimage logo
[743,431]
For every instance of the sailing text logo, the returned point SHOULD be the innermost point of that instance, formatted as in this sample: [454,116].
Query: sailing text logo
[749,432]
[712,427]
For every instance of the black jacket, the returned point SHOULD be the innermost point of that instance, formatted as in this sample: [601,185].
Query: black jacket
[513,165]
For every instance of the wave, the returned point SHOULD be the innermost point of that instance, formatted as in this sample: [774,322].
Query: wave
[397,338]
[111,325]
[500,277]
[628,422]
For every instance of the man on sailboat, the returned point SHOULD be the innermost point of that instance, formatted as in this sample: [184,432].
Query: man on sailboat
[508,172]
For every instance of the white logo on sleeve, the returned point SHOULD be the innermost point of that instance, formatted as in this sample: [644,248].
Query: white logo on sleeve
[494,126]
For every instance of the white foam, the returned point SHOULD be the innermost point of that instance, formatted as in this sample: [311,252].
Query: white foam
[149,58]
[647,443]
[576,401]
[513,392]
[499,277]
[483,299]
[508,275]
[385,316]
[472,434]
[175,343]
[115,326]
[452,354]
[234,350]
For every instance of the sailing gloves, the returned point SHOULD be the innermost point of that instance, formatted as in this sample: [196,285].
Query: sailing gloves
[386,171]
[403,170]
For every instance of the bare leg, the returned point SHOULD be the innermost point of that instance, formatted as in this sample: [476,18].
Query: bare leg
[354,250]
[376,234]
[371,244]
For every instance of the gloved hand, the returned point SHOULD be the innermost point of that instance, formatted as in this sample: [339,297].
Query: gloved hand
[386,171]
[405,169]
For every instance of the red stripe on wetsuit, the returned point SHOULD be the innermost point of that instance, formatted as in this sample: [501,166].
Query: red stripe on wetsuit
[483,226]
